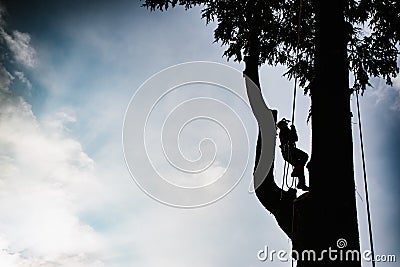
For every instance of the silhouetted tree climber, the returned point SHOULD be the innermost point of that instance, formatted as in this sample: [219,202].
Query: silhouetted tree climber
[294,156]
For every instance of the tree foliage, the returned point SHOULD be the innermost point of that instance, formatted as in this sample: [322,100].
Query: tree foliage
[273,27]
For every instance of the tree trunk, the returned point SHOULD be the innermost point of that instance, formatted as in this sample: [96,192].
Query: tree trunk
[328,213]
[274,199]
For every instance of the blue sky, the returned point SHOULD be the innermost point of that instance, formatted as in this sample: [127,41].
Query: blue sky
[67,196]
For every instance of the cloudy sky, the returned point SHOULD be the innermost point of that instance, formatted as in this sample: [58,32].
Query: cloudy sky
[68,71]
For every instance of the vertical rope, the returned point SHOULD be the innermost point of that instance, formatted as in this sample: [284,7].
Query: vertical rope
[283,178]
[365,182]
[288,156]
[291,256]
[285,170]
[297,59]
[294,98]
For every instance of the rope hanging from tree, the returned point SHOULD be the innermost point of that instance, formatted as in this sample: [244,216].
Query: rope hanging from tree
[297,59]
[294,101]
[371,241]
[286,165]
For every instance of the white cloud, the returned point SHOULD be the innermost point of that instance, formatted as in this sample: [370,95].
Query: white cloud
[386,95]
[19,43]
[22,259]
[21,76]
[45,183]
[5,79]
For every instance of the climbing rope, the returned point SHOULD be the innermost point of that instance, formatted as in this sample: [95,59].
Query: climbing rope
[286,165]
[371,241]
[288,155]
[294,99]
[297,60]
[285,174]
[287,171]
[283,179]
[292,184]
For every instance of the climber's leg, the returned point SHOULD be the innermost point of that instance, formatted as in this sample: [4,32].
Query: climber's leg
[301,156]
[299,159]
[302,183]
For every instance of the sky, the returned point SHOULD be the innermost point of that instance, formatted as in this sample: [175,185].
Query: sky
[68,72]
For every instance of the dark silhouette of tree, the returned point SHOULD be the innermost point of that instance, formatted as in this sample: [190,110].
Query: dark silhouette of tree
[335,38]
